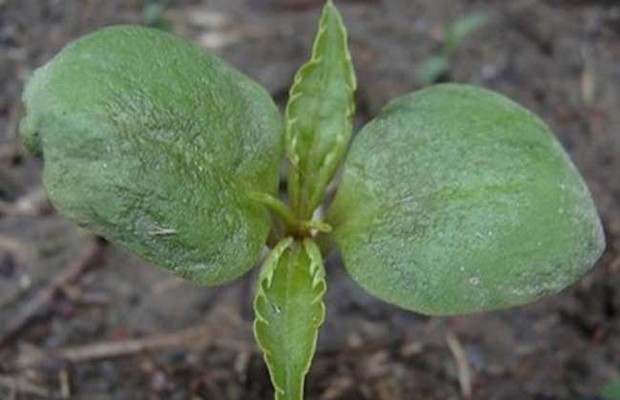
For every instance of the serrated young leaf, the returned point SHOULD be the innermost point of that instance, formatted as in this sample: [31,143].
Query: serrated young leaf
[289,310]
[319,114]
[155,145]
[456,199]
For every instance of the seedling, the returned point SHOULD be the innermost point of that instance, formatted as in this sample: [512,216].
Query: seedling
[453,200]
[439,67]
[611,391]
[153,13]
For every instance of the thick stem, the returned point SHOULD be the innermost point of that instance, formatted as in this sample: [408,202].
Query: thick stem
[276,206]
[293,226]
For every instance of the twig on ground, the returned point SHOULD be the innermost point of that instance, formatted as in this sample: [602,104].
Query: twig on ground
[462,366]
[16,386]
[588,76]
[77,295]
[202,336]
[353,352]
[65,386]
[42,300]
[242,363]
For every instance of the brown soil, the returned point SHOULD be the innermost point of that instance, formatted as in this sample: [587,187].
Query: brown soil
[559,58]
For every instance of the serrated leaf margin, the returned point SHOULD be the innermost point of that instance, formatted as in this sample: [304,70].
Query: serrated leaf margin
[330,161]
[317,272]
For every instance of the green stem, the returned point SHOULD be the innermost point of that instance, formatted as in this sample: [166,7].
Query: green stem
[276,206]
[294,226]
[320,226]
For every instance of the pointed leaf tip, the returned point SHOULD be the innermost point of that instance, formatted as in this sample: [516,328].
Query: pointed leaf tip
[319,114]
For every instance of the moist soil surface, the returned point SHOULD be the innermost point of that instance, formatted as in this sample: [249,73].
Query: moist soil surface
[135,332]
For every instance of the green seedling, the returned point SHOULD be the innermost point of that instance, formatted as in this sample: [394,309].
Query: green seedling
[611,391]
[438,67]
[453,200]
[153,13]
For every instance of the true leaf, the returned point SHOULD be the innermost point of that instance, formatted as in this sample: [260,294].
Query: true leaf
[155,144]
[456,199]
[319,114]
[289,311]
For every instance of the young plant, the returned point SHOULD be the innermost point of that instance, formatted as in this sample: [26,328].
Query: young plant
[611,391]
[453,200]
[438,67]
[153,13]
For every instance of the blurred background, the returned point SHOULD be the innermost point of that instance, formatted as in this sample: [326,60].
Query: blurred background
[80,320]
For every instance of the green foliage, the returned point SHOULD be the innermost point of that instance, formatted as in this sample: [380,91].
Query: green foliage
[289,311]
[319,114]
[433,69]
[611,391]
[155,145]
[437,67]
[152,13]
[461,29]
[453,200]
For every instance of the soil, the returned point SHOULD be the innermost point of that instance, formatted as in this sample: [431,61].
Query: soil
[559,58]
